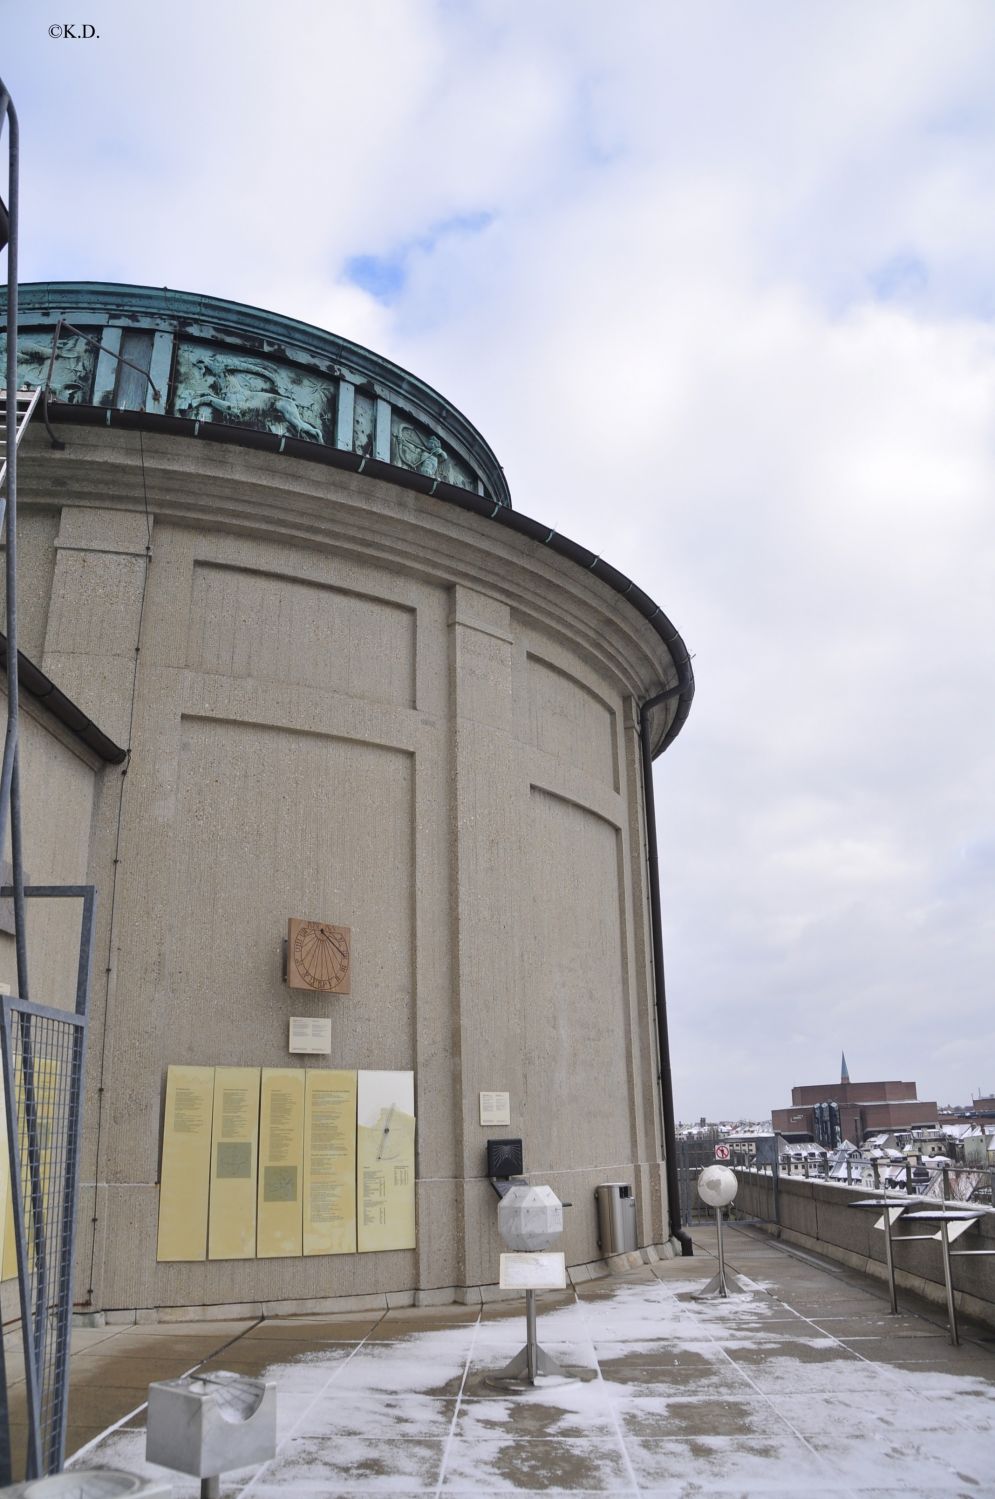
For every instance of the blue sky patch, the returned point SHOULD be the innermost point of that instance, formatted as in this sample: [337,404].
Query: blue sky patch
[384,276]
[903,275]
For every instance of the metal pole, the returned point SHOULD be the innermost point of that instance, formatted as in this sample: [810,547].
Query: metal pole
[948,1280]
[890,1260]
[10,740]
[210,1488]
[723,1290]
[531,1340]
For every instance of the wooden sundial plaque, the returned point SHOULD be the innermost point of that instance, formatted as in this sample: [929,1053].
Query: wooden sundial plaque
[318,956]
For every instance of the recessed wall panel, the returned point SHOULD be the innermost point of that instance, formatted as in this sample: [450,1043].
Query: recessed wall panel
[282,629]
[576,1019]
[571,721]
[273,823]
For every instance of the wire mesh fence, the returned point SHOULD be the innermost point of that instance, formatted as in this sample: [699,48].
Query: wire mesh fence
[43,1052]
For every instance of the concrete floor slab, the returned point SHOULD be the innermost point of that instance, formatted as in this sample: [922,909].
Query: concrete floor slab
[745,1396]
[529,1465]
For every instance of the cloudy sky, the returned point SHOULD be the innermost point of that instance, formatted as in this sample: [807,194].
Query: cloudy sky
[717,282]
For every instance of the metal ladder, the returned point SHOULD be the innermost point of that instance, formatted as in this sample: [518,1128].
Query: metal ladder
[25,402]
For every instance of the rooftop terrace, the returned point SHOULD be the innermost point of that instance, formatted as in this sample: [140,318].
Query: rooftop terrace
[804,1386]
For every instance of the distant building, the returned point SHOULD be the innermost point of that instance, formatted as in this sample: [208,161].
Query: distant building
[980,1111]
[832,1112]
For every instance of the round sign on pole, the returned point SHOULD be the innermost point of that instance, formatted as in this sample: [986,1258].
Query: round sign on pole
[722,1152]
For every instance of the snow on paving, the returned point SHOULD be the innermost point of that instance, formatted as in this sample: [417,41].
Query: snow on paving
[674,1397]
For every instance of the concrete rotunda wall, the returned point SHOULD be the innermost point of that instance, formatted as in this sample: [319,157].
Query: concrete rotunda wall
[349,701]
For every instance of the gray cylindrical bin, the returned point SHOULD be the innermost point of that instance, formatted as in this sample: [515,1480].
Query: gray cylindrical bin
[616,1217]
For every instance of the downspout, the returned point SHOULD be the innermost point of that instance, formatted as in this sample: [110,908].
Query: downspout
[656,927]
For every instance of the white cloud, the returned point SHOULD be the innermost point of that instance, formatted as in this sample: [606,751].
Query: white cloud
[729,322]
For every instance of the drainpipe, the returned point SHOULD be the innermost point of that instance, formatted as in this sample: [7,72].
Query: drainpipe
[656,926]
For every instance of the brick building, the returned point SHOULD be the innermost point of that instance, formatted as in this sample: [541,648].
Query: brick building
[851,1111]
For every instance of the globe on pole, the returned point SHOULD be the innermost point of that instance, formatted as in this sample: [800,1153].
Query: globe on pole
[717,1186]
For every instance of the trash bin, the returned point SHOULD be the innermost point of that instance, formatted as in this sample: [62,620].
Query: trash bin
[616,1217]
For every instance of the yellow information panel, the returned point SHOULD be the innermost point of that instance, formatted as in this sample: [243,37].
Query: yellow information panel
[385,1161]
[330,1163]
[234,1141]
[281,1162]
[186,1164]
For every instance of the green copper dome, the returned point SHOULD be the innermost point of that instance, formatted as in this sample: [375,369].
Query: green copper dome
[211,368]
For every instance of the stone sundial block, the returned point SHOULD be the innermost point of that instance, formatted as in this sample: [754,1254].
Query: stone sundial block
[530,1218]
[717,1186]
[207,1424]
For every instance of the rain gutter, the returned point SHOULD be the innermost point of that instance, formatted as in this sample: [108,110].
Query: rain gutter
[683,690]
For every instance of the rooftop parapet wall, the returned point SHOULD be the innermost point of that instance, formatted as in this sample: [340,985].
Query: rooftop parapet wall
[212,367]
[818,1215]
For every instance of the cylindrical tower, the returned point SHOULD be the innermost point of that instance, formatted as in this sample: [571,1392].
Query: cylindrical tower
[357,688]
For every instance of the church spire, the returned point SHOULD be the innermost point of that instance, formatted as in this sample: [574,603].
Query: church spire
[844,1075]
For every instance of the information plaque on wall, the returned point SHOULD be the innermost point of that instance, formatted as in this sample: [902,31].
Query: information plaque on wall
[234,1141]
[495,1108]
[330,1163]
[278,1162]
[385,1161]
[281,1163]
[186,1164]
[309,1035]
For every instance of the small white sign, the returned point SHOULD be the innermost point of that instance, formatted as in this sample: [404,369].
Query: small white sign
[495,1108]
[308,1035]
[542,1270]
[722,1152]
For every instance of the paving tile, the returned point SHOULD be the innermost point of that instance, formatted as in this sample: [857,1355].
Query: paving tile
[549,1465]
[339,1413]
[131,1370]
[679,1415]
[102,1406]
[924,1462]
[879,1324]
[384,1465]
[485,1418]
[775,1376]
[782,1464]
[284,1350]
[332,1329]
[220,1328]
[935,1350]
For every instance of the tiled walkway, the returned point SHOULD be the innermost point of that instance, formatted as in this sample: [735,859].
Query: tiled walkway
[805,1386]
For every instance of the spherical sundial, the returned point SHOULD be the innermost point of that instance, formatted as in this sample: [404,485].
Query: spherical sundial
[320,957]
[717,1186]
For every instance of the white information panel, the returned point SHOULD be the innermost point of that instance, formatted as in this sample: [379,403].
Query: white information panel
[542,1270]
[495,1108]
[313,1036]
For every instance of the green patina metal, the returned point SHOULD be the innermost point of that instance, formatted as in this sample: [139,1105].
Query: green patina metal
[192,362]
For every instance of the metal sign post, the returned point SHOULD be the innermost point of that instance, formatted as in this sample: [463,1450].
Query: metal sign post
[717,1186]
[529,1219]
